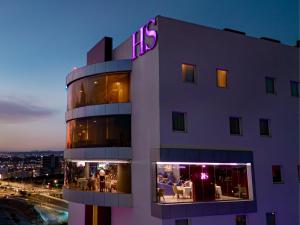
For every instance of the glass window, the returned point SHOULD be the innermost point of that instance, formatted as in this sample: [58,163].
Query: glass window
[182,222]
[264,127]
[178,121]
[298,167]
[294,88]
[276,173]
[202,182]
[235,127]
[222,78]
[99,89]
[188,73]
[99,131]
[270,85]
[241,220]
[270,218]
[98,176]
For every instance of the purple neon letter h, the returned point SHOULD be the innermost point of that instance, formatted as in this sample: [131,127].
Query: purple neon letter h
[135,43]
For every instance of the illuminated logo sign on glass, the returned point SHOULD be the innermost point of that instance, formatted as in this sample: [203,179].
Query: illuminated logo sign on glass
[139,40]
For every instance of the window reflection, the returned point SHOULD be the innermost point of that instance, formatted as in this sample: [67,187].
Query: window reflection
[99,89]
[98,176]
[200,182]
[99,131]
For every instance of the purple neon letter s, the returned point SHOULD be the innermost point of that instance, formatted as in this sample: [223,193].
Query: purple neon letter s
[135,43]
[151,33]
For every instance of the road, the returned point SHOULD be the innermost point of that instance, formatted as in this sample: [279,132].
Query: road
[52,210]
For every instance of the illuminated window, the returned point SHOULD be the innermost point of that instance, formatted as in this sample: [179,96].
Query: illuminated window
[235,125]
[222,78]
[99,89]
[276,173]
[187,182]
[270,218]
[178,121]
[270,85]
[98,176]
[294,88]
[264,127]
[188,73]
[99,131]
[241,220]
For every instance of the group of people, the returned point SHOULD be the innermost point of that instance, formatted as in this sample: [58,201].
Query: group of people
[95,179]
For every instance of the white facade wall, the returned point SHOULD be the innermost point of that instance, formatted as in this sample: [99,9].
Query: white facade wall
[144,95]
[76,214]
[249,61]
[157,90]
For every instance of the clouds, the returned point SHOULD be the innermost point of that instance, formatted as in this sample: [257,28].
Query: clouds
[18,111]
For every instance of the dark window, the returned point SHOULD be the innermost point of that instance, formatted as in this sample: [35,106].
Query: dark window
[298,167]
[270,85]
[182,222]
[178,121]
[241,220]
[188,73]
[264,127]
[235,126]
[270,218]
[276,173]
[295,88]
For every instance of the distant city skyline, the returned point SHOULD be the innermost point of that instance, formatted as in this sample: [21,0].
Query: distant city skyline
[41,42]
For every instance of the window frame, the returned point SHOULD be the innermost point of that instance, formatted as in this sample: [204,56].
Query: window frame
[244,216]
[194,75]
[269,129]
[293,82]
[227,72]
[281,175]
[185,122]
[183,221]
[267,217]
[240,126]
[274,85]
[298,172]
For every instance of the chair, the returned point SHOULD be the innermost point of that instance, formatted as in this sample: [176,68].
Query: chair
[218,191]
[241,192]
[176,191]
[160,193]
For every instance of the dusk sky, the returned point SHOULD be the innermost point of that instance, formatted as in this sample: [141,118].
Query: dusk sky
[41,41]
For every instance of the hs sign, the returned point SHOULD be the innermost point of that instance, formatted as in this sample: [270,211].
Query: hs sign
[144,32]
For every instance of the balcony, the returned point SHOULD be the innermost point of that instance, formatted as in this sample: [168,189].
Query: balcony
[105,183]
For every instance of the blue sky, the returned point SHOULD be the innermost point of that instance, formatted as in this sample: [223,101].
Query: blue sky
[41,41]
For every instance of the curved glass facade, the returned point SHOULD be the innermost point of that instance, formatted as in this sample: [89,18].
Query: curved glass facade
[98,176]
[99,89]
[99,131]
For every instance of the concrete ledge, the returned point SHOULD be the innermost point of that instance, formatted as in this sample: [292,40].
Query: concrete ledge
[99,110]
[98,198]
[99,68]
[204,155]
[184,210]
[105,153]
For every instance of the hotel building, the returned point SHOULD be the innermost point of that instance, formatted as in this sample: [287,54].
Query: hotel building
[183,124]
